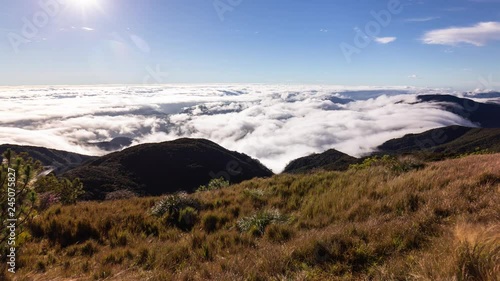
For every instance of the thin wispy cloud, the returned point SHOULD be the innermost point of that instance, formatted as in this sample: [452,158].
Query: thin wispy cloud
[477,35]
[385,40]
[424,19]
[87,28]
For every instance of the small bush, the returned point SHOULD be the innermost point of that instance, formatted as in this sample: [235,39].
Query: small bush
[214,184]
[187,218]
[398,165]
[257,223]
[177,209]
[120,195]
[173,204]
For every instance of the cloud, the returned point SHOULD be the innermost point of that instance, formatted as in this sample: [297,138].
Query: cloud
[413,76]
[422,19]
[87,28]
[477,35]
[274,124]
[385,40]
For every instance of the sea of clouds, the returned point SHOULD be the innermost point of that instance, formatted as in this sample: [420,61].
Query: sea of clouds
[274,124]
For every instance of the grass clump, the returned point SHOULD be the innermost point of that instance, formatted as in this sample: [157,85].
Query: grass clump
[478,261]
[177,209]
[212,222]
[214,184]
[257,223]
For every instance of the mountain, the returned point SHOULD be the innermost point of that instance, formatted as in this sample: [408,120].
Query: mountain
[487,95]
[114,144]
[487,115]
[58,160]
[167,167]
[445,142]
[331,160]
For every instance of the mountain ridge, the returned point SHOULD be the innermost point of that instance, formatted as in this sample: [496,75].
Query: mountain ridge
[167,167]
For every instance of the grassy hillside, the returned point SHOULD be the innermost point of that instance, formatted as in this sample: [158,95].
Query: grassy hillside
[59,160]
[445,142]
[330,160]
[441,222]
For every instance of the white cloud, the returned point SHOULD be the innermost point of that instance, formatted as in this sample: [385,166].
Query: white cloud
[87,28]
[477,35]
[385,40]
[274,124]
[413,76]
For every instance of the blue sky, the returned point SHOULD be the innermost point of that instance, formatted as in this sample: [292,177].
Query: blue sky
[440,43]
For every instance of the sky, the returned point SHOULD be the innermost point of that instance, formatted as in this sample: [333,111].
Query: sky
[440,43]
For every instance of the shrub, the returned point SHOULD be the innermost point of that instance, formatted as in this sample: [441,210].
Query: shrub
[214,184]
[173,204]
[47,199]
[257,223]
[399,165]
[120,195]
[67,191]
[177,209]
[187,218]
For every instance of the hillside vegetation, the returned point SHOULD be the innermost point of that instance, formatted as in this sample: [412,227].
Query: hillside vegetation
[445,142]
[60,161]
[166,167]
[330,160]
[372,222]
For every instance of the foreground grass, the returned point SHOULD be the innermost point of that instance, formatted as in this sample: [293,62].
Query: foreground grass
[437,223]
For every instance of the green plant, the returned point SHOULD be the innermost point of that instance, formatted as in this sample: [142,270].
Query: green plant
[187,218]
[258,222]
[177,209]
[173,203]
[398,165]
[17,196]
[214,184]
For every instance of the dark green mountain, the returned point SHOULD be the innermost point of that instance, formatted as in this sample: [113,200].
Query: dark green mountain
[444,142]
[167,167]
[114,144]
[331,160]
[58,160]
[487,115]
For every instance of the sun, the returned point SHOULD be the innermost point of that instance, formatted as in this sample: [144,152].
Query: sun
[84,3]
[86,7]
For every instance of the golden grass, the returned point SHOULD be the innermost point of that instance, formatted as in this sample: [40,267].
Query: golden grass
[438,223]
